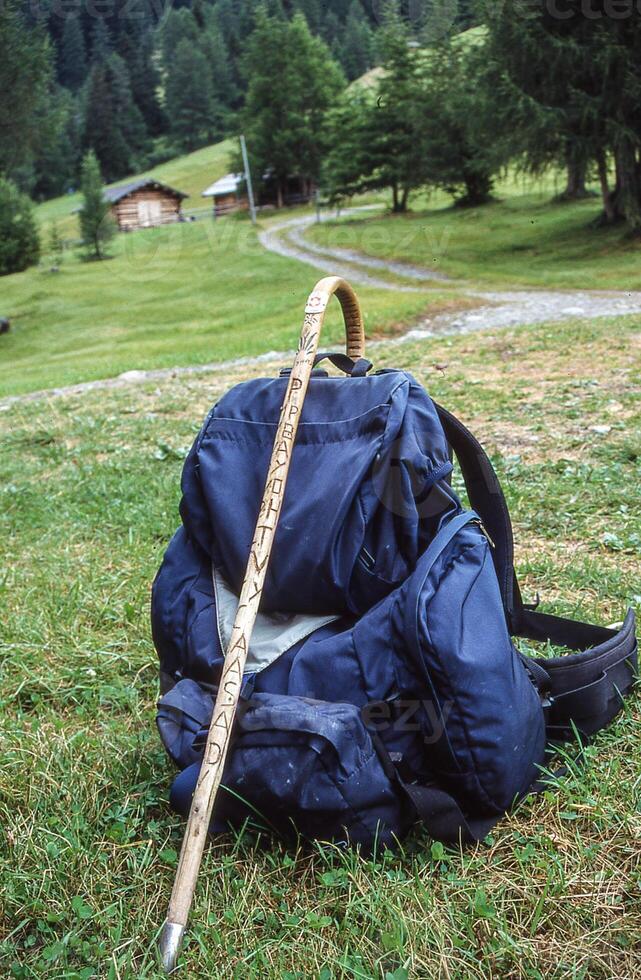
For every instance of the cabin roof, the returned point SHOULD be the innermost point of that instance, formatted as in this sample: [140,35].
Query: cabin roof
[114,194]
[229,184]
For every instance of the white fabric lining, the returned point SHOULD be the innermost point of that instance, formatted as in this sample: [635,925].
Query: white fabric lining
[273,633]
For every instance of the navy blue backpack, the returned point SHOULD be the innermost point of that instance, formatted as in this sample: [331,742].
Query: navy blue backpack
[382,683]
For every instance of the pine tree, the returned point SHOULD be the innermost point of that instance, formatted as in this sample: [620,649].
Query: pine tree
[56,243]
[351,163]
[397,130]
[55,162]
[127,113]
[198,10]
[227,20]
[102,130]
[189,101]
[456,99]
[25,74]
[356,49]
[101,43]
[275,8]
[19,242]
[225,93]
[332,31]
[113,125]
[96,224]
[225,90]
[583,74]
[284,122]
[311,9]
[179,25]
[137,50]
[72,68]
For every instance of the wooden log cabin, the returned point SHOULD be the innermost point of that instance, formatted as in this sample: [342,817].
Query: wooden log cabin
[230,194]
[144,204]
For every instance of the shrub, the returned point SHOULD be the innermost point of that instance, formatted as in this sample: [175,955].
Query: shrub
[56,243]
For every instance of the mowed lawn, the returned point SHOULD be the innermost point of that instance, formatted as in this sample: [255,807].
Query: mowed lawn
[90,488]
[183,294]
[522,239]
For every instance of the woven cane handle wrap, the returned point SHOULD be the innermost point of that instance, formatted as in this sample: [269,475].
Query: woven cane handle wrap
[317,304]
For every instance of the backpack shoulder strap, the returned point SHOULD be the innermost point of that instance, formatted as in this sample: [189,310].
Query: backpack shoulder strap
[488,500]
[582,690]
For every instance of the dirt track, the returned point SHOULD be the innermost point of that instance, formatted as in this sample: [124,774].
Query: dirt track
[497,308]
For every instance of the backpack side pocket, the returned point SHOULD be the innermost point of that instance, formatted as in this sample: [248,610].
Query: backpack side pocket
[492,733]
[307,767]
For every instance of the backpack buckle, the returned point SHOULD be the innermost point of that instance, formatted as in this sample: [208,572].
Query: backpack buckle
[547,703]
[533,606]
[402,768]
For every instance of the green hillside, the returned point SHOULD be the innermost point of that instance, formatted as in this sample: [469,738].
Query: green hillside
[191,173]
[207,291]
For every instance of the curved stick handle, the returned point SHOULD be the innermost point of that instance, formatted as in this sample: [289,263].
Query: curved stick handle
[222,719]
[317,304]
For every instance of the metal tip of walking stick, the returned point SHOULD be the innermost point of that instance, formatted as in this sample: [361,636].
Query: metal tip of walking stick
[169,945]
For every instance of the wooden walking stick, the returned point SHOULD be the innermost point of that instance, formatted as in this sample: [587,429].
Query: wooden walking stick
[232,675]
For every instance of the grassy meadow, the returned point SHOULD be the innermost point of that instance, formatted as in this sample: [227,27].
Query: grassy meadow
[182,294]
[90,488]
[206,291]
[522,239]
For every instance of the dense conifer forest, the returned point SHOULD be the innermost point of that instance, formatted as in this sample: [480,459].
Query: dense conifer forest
[139,81]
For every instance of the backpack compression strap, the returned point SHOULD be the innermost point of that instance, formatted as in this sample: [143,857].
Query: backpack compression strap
[439,812]
[582,690]
[442,816]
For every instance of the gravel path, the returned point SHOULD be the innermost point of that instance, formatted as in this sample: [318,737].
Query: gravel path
[141,377]
[497,309]
[515,309]
[288,238]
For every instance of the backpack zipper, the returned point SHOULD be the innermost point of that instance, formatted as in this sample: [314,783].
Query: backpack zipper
[484,531]
[366,559]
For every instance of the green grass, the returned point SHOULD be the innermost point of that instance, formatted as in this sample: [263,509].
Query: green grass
[206,291]
[182,294]
[190,173]
[523,239]
[89,498]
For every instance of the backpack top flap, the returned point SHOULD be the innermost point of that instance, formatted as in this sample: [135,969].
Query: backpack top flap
[368,452]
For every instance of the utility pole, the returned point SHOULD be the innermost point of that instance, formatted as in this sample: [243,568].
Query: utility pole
[248,179]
